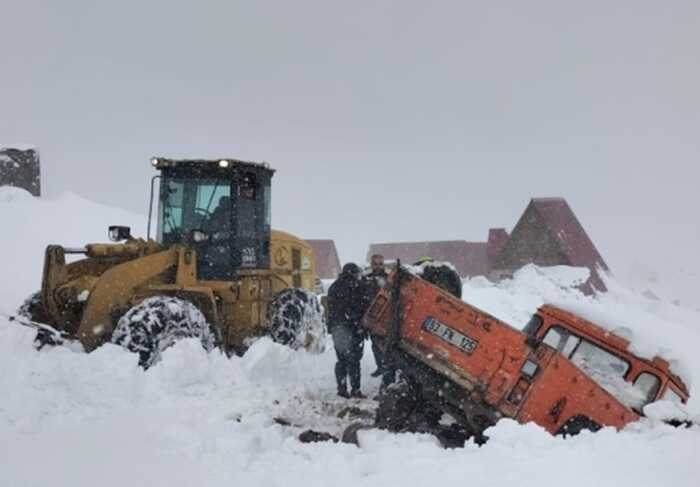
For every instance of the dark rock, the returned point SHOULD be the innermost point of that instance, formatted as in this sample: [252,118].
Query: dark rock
[350,433]
[311,436]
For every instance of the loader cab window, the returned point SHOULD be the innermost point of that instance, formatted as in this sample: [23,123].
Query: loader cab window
[204,204]
[188,204]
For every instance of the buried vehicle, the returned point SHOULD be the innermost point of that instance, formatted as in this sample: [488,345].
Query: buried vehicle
[216,271]
[564,373]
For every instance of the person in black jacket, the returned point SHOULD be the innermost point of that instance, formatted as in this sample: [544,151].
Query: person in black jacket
[347,302]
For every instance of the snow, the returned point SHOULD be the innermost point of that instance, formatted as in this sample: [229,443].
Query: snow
[197,418]
[666,410]
[653,327]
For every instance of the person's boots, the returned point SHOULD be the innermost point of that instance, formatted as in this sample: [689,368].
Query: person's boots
[357,394]
[377,372]
[341,379]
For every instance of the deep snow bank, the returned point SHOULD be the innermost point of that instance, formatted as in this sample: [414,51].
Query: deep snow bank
[653,327]
[29,224]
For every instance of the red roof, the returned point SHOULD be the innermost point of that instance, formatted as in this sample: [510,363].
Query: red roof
[327,261]
[469,258]
[566,229]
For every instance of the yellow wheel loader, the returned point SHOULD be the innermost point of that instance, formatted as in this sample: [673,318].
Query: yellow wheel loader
[215,271]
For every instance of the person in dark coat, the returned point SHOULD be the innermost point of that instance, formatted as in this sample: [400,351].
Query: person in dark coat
[347,302]
[375,281]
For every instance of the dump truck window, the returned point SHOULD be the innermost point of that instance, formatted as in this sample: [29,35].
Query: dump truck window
[648,384]
[562,340]
[591,357]
[533,325]
[673,396]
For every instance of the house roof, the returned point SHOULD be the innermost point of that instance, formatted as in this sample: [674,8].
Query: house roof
[327,261]
[566,229]
[469,258]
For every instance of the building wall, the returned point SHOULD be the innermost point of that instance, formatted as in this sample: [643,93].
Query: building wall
[530,243]
[20,168]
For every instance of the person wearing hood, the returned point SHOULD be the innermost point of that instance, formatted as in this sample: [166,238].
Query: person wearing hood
[346,305]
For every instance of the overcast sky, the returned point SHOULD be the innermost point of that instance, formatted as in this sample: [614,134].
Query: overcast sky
[386,120]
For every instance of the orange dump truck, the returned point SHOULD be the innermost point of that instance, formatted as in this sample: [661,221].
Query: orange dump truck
[562,372]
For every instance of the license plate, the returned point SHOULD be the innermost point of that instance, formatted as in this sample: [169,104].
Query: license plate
[450,335]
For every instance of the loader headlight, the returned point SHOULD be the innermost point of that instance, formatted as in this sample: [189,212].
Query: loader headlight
[224,163]
[199,236]
[154,162]
[117,233]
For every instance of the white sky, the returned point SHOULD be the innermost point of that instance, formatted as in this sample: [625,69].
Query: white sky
[386,120]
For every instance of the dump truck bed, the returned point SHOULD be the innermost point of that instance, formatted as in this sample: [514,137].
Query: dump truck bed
[478,368]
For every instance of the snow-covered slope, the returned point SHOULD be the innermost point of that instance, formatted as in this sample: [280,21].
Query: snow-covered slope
[198,419]
[29,224]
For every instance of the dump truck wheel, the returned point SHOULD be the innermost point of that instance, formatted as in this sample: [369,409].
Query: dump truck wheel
[295,318]
[157,323]
[396,404]
[442,275]
[576,424]
[402,408]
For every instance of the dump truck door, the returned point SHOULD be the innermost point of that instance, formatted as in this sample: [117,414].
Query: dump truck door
[561,392]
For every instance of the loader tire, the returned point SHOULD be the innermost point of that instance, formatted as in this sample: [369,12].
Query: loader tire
[33,310]
[295,319]
[443,276]
[157,323]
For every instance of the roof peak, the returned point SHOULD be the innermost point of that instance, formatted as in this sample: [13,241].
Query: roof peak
[549,199]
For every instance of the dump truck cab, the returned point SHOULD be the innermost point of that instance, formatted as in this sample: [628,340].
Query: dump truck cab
[606,357]
[222,207]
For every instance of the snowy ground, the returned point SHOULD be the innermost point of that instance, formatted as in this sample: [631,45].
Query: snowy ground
[72,419]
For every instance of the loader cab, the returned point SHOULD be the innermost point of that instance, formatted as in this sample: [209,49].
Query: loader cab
[220,207]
